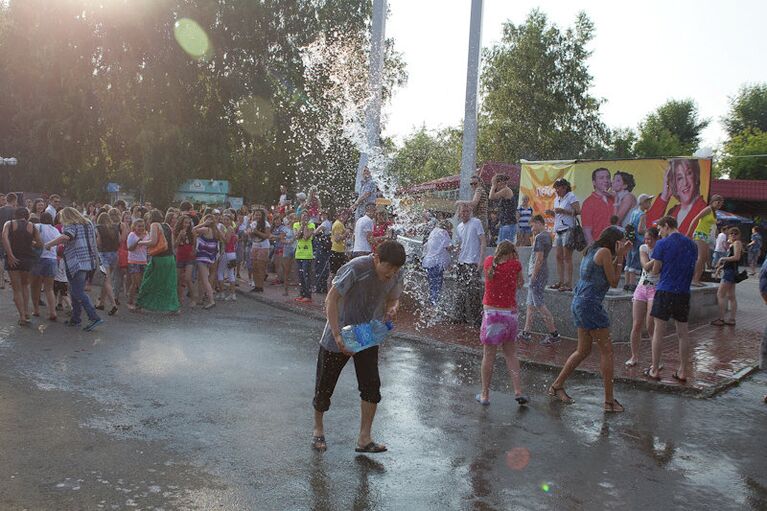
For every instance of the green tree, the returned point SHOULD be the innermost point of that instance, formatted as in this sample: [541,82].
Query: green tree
[427,155]
[748,110]
[744,155]
[536,86]
[621,143]
[672,130]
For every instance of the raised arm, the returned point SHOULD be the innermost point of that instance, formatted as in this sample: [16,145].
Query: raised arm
[703,212]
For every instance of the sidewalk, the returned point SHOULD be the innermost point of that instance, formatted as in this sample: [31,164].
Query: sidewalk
[722,356]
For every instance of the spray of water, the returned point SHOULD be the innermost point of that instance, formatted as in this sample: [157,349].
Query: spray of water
[341,63]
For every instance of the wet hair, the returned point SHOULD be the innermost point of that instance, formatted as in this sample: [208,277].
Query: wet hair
[734,232]
[186,206]
[46,218]
[716,197]
[10,197]
[614,220]
[180,224]
[539,219]
[600,169]
[563,182]
[667,221]
[391,252]
[21,214]
[627,179]
[653,232]
[261,223]
[504,248]
[608,239]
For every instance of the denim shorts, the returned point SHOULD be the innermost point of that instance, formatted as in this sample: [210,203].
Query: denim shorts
[45,267]
[589,314]
[507,232]
[135,268]
[180,265]
[108,259]
[560,240]
[728,275]
[535,293]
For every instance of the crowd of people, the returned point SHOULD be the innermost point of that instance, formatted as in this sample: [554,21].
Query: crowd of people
[153,260]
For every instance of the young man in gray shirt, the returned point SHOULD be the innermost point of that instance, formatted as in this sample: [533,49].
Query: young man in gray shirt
[364,289]
[538,271]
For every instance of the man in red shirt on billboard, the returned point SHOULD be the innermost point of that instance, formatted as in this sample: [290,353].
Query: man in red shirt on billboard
[599,206]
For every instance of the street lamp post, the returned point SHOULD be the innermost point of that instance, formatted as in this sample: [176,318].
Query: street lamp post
[469,154]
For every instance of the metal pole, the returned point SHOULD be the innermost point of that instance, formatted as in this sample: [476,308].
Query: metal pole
[469,153]
[375,80]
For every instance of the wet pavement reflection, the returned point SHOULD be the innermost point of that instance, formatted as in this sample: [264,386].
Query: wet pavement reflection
[225,397]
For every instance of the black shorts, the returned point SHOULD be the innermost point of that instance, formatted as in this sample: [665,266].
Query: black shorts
[667,305]
[337,259]
[329,366]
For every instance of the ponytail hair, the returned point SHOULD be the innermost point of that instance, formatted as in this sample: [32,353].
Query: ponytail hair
[504,248]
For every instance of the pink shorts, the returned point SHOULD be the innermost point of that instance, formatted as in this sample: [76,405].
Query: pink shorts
[644,293]
[498,327]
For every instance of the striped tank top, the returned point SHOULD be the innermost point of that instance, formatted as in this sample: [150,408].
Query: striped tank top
[207,250]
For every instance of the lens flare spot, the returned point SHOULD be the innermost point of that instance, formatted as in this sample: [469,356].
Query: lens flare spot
[518,458]
[545,487]
[192,38]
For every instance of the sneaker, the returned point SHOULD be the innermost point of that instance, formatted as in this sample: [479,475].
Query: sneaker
[252,284]
[233,297]
[69,322]
[525,336]
[93,324]
[550,340]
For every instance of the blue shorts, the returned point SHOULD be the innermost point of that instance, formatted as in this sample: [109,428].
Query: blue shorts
[535,293]
[526,229]
[135,268]
[45,267]
[108,259]
[729,275]
[589,314]
[507,232]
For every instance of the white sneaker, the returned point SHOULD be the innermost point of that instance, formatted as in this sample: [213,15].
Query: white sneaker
[252,284]
[232,297]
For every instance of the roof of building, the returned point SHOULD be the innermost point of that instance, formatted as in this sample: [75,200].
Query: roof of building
[486,172]
[740,189]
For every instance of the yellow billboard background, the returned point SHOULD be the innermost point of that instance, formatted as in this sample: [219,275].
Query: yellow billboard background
[537,179]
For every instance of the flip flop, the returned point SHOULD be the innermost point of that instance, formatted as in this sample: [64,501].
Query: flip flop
[372,448]
[629,363]
[552,392]
[483,402]
[522,400]
[555,286]
[729,323]
[718,322]
[677,378]
[319,444]
[565,289]
[613,406]
[646,372]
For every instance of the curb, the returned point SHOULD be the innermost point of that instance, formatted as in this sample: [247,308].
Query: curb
[434,343]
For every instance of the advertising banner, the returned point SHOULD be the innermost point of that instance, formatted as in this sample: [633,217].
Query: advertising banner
[678,186]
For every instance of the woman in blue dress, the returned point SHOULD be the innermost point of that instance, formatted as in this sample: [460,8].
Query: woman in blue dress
[600,270]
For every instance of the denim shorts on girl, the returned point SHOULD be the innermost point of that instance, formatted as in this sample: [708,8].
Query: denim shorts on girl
[108,259]
[45,267]
[589,314]
[135,268]
[498,327]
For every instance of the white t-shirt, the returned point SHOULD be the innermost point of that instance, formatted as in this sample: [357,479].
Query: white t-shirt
[721,242]
[435,253]
[362,228]
[61,271]
[468,234]
[283,199]
[647,277]
[48,233]
[260,243]
[50,209]
[562,222]
[138,254]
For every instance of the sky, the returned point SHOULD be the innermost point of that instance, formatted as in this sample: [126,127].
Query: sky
[644,53]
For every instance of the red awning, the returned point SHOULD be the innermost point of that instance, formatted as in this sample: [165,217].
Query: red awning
[740,189]
[487,171]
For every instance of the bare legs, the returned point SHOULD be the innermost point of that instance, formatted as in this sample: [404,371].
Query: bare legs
[107,292]
[585,339]
[20,284]
[287,270]
[682,333]
[640,315]
[512,364]
[548,319]
[700,264]
[50,298]
[203,276]
[725,294]
[565,266]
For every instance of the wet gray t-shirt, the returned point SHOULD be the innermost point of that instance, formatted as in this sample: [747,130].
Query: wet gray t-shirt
[363,296]
[541,244]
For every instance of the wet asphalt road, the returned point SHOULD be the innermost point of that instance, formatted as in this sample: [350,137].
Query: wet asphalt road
[211,410]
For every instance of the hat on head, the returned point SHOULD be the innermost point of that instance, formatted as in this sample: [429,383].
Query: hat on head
[643,197]
[216,212]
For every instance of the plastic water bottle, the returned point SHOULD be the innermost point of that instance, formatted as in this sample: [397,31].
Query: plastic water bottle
[365,335]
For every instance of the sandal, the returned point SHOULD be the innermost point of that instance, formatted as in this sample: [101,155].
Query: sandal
[647,372]
[630,363]
[372,448]
[483,402]
[677,378]
[555,286]
[730,323]
[555,393]
[613,407]
[319,444]
[564,289]
[52,318]
[717,322]
[522,400]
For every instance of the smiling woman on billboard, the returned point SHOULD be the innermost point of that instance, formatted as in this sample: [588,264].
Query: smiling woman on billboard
[681,181]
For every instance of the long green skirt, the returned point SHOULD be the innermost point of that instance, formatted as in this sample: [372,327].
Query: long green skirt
[158,287]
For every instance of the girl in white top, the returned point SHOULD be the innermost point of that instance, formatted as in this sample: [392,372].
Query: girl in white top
[643,296]
[137,259]
[45,269]
[566,207]
[436,259]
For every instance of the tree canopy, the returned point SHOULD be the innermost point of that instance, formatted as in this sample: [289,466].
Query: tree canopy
[130,92]
[672,130]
